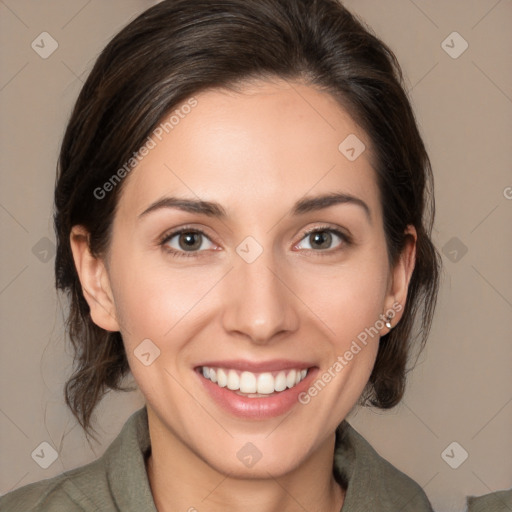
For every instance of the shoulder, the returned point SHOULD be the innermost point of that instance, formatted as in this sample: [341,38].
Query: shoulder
[500,501]
[115,481]
[371,480]
[74,490]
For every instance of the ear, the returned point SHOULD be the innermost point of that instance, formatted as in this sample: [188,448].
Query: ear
[94,279]
[401,276]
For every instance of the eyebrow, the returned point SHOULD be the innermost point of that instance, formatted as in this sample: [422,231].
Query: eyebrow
[213,209]
[310,204]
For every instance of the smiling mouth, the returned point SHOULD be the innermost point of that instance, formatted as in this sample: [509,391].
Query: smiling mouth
[253,385]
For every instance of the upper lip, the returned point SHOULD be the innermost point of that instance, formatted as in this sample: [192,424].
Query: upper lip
[273,365]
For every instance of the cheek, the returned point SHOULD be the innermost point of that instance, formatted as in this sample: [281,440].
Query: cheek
[153,300]
[349,298]
[348,304]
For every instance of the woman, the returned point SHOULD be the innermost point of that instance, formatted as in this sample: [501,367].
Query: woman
[243,212]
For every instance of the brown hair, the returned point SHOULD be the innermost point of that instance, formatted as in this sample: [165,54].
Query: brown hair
[181,47]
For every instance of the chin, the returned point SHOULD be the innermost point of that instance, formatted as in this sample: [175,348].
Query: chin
[249,462]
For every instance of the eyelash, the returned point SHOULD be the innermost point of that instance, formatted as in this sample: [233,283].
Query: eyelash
[346,240]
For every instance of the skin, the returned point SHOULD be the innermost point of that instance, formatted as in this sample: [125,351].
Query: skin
[256,152]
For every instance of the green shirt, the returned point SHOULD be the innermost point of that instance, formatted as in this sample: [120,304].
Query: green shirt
[499,501]
[118,481]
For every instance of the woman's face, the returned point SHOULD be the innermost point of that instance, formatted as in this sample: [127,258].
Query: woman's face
[244,291]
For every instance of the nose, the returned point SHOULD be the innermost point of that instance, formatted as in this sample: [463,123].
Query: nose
[259,302]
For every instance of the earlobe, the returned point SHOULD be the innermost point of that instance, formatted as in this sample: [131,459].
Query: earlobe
[401,276]
[94,280]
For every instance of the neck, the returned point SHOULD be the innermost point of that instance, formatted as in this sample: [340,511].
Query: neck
[180,480]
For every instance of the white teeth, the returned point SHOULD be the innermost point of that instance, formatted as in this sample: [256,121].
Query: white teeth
[280,382]
[222,378]
[265,384]
[249,383]
[290,379]
[233,380]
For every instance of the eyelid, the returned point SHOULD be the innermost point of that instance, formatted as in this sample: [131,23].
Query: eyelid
[168,235]
[171,233]
[339,232]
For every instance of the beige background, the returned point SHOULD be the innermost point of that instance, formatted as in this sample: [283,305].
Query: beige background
[461,389]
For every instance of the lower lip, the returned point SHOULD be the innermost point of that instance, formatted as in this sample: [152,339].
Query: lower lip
[257,408]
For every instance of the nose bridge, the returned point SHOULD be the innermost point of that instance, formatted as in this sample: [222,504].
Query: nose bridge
[259,305]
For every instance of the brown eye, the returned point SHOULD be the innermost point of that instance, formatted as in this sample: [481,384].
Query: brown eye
[320,240]
[323,240]
[190,241]
[184,241]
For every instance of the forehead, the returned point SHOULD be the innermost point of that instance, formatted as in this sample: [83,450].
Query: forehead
[247,149]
